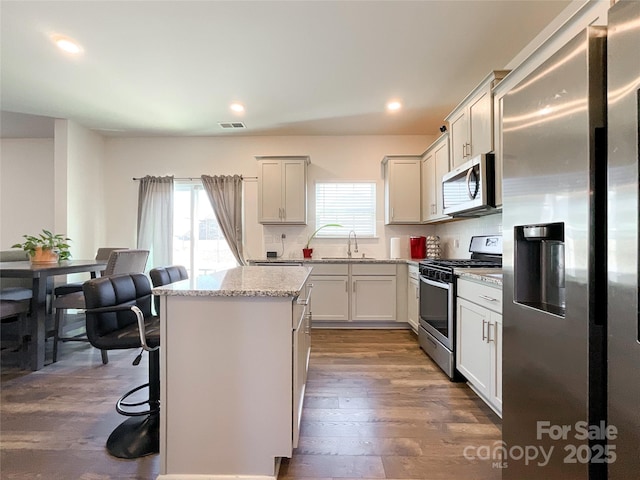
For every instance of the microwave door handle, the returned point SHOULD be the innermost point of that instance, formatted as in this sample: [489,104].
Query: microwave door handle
[468,182]
[474,193]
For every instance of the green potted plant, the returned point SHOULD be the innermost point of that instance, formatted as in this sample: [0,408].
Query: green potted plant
[307,252]
[46,247]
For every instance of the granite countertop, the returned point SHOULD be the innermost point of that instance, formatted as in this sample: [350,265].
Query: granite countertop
[251,281]
[354,259]
[488,275]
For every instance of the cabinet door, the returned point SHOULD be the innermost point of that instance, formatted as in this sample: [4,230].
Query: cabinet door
[373,298]
[413,302]
[429,201]
[270,192]
[330,298]
[299,375]
[441,167]
[480,124]
[294,191]
[404,191]
[458,129]
[474,353]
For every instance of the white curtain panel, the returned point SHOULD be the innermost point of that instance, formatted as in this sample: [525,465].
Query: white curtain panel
[155,219]
[225,195]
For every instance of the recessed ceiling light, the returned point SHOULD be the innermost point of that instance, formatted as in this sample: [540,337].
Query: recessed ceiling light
[66,44]
[237,107]
[394,106]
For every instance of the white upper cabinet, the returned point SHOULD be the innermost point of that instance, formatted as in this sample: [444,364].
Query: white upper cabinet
[282,189]
[471,123]
[402,189]
[435,163]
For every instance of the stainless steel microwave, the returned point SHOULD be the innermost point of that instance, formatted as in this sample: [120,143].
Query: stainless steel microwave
[469,190]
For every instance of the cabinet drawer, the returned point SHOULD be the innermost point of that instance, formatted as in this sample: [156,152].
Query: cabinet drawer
[328,268]
[373,269]
[481,294]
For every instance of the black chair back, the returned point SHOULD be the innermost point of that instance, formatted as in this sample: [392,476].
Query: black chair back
[164,276]
[117,290]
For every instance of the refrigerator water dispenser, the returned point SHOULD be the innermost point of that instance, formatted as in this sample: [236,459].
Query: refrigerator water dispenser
[539,267]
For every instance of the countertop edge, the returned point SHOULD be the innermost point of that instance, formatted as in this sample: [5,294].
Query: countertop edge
[490,275]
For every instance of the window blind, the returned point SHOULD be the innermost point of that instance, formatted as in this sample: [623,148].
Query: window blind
[352,205]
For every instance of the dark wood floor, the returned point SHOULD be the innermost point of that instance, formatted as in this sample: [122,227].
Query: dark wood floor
[376,407]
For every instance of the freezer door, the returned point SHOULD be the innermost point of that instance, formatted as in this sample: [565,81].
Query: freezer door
[550,124]
[623,317]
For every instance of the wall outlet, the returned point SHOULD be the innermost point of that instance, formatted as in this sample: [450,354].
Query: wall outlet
[284,235]
[272,254]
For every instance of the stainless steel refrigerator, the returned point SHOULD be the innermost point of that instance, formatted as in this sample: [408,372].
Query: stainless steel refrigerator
[555,271]
[623,51]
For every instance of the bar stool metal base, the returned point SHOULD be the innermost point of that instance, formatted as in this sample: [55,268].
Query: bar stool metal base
[135,437]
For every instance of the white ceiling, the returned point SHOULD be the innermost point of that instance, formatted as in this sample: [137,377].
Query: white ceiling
[172,68]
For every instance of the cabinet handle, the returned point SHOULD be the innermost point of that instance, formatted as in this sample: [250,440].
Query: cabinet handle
[484,337]
[489,325]
[488,299]
[284,213]
[346,286]
[280,213]
[392,213]
[417,293]
[464,150]
[468,150]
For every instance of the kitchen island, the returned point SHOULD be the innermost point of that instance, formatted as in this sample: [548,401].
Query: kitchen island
[234,356]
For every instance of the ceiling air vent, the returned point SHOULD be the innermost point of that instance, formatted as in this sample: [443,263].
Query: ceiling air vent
[231,125]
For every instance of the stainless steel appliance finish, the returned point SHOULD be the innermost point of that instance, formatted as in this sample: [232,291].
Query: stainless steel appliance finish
[469,190]
[554,286]
[623,47]
[436,331]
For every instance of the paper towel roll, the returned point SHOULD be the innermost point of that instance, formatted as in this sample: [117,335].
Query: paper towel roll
[395,250]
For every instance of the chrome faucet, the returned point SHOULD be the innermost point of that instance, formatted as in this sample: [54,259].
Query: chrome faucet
[355,240]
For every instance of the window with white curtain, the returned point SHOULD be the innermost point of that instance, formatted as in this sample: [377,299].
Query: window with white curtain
[350,204]
[198,242]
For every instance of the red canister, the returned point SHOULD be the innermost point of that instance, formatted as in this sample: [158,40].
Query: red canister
[418,247]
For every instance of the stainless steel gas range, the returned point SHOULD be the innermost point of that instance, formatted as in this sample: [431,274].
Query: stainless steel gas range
[436,333]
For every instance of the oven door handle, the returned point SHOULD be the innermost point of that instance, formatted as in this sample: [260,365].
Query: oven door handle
[446,286]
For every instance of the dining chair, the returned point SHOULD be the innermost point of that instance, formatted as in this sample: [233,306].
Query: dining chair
[101,255]
[120,262]
[15,288]
[15,311]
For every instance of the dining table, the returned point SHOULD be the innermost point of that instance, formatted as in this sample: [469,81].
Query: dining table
[42,275]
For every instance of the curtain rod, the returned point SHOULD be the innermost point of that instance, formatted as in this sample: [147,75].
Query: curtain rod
[198,178]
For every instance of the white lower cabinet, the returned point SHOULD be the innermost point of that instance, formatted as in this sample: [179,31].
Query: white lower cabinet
[330,292]
[373,298]
[353,292]
[479,339]
[301,354]
[413,298]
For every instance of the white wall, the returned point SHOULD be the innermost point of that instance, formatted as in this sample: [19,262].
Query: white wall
[26,188]
[332,158]
[85,201]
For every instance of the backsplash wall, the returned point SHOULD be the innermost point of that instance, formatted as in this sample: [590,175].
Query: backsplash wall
[378,247]
[455,236]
